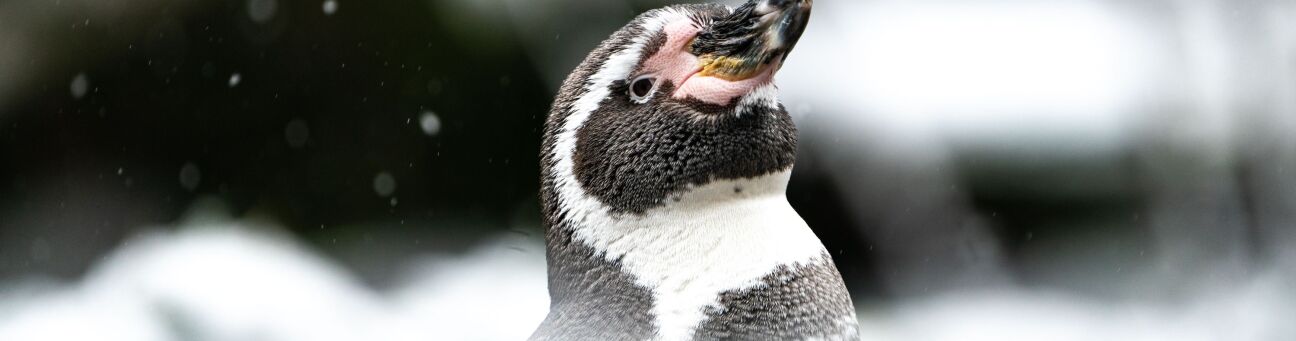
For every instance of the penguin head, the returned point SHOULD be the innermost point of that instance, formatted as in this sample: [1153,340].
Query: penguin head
[680,97]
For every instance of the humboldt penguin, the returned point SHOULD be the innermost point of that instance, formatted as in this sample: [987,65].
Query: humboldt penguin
[665,161]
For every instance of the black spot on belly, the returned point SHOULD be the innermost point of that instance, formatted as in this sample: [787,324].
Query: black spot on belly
[795,304]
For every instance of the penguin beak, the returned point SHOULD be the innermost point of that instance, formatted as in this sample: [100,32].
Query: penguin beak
[756,38]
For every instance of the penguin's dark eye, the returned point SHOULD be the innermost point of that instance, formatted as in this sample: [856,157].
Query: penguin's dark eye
[642,88]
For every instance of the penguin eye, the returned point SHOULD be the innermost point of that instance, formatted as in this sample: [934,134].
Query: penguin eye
[642,88]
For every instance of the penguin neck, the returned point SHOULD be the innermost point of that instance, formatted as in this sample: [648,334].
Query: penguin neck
[714,238]
[751,212]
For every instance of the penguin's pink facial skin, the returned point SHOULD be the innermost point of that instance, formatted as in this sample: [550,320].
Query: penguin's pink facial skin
[674,62]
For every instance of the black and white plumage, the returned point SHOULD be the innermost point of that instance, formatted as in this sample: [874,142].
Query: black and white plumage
[665,161]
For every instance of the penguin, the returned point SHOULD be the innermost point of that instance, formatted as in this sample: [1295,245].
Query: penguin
[665,160]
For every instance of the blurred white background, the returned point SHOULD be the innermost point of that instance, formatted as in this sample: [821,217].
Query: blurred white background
[984,170]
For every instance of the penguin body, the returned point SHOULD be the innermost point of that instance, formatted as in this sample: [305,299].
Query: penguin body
[663,189]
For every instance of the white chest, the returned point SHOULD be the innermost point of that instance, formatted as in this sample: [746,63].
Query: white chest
[720,237]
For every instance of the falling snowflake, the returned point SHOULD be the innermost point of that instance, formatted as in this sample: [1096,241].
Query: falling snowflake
[384,184]
[80,85]
[330,7]
[430,123]
[261,11]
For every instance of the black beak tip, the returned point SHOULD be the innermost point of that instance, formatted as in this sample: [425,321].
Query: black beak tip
[791,23]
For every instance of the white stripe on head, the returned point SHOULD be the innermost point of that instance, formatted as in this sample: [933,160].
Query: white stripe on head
[719,237]
[572,199]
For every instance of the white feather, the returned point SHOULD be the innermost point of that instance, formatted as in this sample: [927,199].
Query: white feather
[765,96]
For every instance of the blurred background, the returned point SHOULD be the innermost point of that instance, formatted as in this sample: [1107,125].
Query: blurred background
[360,170]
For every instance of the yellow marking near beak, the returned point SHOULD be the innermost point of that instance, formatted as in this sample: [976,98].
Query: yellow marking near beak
[728,68]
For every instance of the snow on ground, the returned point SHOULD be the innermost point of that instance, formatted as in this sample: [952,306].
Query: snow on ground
[229,281]
[1259,311]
